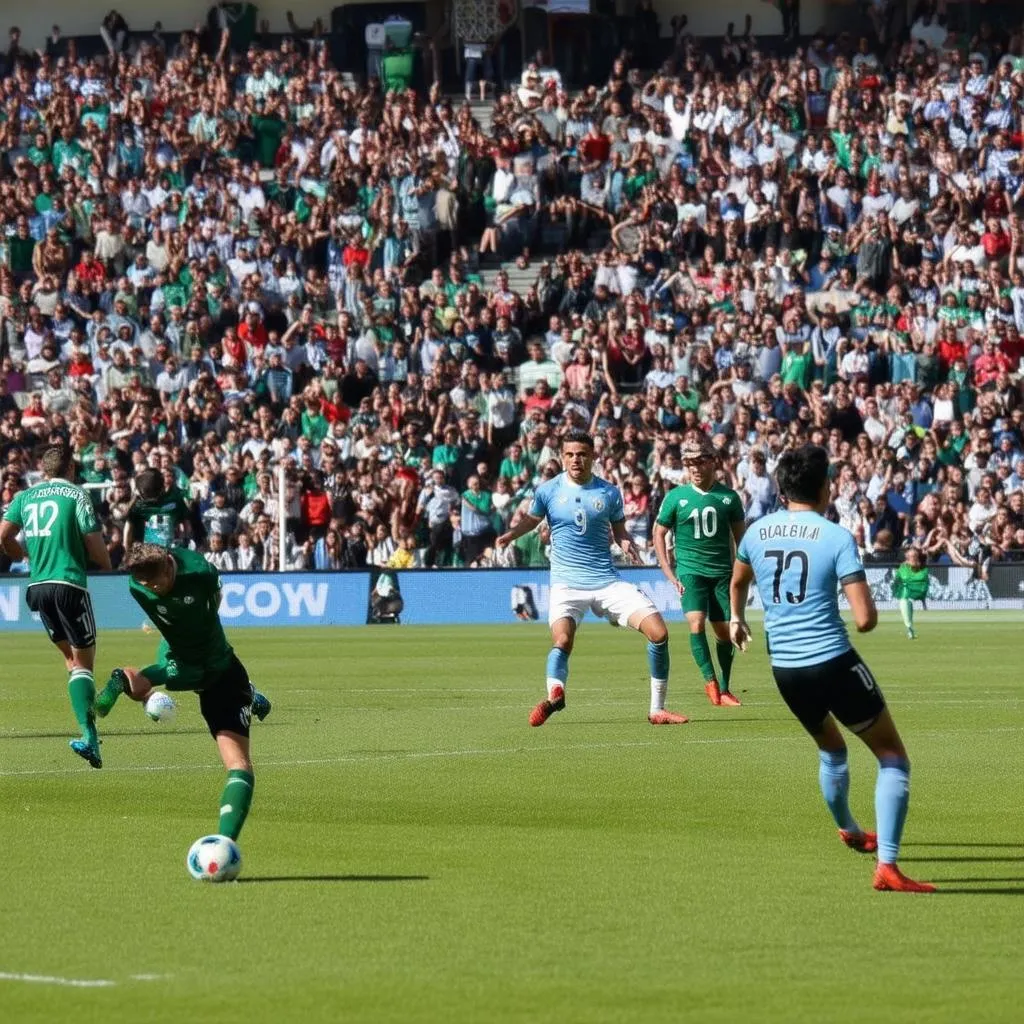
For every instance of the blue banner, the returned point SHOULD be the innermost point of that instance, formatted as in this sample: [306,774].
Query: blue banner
[454,597]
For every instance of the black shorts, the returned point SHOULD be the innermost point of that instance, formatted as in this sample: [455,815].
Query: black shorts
[843,686]
[66,613]
[226,700]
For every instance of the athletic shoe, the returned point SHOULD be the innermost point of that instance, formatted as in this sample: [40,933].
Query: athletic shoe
[261,707]
[728,700]
[713,692]
[87,751]
[664,717]
[107,698]
[861,842]
[911,635]
[546,708]
[889,878]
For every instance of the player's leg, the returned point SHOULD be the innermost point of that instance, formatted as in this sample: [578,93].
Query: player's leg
[907,613]
[139,684]
[805,693]
[695,608]
[226,706]
[858,703]
[566,608]
[67,615]
[718,616]
[649,622]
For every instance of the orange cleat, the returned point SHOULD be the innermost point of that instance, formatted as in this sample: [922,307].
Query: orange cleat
[728,700]
[546,708]
[713,692]
[889,878]
[664,717]
[861,842]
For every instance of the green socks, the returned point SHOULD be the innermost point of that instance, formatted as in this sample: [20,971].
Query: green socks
[702,655]
[235,802]
[82,692]
[907,611]
[726,652]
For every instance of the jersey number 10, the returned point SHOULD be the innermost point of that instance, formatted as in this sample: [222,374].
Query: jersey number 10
[705,521]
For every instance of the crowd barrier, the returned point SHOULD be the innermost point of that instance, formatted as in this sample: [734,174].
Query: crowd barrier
[455,597]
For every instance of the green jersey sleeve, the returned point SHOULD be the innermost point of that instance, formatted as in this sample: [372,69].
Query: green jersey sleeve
[669,507]
[85,516]
[735,508]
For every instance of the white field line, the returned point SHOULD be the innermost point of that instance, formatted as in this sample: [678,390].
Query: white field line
[450,754]
[46,979]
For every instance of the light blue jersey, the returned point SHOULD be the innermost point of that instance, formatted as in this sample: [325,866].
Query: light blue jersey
[579,517]
[799,561]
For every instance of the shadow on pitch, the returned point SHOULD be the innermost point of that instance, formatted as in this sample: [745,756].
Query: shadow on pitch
[980,881]
[155,731]
[942,890]
[963,860]
[335,878]
[972,846]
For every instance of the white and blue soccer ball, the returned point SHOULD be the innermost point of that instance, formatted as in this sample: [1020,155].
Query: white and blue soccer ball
[160,707]
[214,859]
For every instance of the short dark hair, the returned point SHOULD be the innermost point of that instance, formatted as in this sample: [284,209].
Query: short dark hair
[150,484]
[56,460]
[577,436]
[802,473]
[143,560]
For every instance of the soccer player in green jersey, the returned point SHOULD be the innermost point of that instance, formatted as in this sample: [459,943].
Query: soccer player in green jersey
[61,536]
[707,519]
[156,516]
[180,593]
[910,584]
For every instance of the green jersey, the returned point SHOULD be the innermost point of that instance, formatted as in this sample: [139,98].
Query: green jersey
[55,516]
[702,521]
[910,583]
[188,617]
[157,522]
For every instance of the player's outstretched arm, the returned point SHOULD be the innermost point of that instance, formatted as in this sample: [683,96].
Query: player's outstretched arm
[527,524]
[862,604]
[9,541]
[625,542]
[739,588]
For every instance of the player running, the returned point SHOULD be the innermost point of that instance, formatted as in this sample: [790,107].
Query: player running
[62,536]
[707,519]
[180,593]
[910,584]
[155,516]
[580,508]
[799,560]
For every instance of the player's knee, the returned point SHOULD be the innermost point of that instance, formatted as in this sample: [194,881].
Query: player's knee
[655,629]
[697,623]
[563,643]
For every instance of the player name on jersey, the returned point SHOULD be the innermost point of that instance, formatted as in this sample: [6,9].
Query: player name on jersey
[795,531]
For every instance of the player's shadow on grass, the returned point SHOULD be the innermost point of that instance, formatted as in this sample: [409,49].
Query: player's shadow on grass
[335,878]
[958,891]
[155,731]
[999,859]
[969,846]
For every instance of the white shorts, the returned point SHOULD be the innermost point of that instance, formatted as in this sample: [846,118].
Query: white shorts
[618,603]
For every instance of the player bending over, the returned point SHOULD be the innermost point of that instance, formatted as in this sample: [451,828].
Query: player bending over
[180,593]
[61,537]
[707,518]
[580,508]
[910,584]
[799,560]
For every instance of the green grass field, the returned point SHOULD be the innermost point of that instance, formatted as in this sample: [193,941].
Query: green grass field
[417,853]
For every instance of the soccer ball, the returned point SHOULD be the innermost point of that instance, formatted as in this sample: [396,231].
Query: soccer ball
[214,859]
[160,707]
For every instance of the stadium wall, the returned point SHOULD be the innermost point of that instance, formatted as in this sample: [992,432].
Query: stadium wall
[453,597]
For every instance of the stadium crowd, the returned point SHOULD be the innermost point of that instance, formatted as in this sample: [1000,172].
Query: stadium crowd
[220,262]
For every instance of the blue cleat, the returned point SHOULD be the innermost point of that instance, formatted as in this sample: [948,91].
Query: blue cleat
[260,705]
[89,751]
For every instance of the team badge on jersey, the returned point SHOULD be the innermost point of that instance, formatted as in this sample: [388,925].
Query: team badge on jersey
[598,505]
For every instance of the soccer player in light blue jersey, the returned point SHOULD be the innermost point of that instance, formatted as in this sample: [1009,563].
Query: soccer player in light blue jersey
[799,561]
[584,513]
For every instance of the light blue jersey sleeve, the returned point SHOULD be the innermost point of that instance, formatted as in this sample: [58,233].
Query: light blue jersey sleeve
[580,518]
[799,560]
